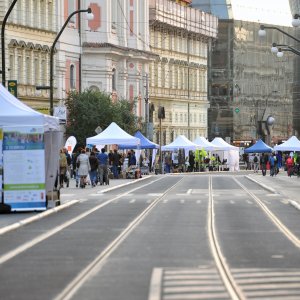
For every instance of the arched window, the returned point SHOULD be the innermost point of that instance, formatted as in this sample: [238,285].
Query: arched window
[72,77]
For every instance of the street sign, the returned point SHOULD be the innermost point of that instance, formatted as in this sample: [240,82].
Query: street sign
[237,110]
[98,130]
[13,87]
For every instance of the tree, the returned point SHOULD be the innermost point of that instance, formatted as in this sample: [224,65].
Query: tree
[90,109]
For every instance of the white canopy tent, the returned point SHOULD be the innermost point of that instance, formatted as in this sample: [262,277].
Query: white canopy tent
[220,144]
[292,144]
[113,135]
[181,142]
[203,143]
[14,113]
[229,153]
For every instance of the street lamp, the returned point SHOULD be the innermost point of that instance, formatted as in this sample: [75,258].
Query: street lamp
[296,21]
[262,32]
[279,51]
[3,40]
[90,16]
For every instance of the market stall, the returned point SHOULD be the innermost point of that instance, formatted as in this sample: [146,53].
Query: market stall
[29,147]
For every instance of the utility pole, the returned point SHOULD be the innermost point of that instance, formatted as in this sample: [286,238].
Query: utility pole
[147,106]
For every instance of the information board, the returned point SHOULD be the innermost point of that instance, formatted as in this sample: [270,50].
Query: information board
[24,168]
[1,163]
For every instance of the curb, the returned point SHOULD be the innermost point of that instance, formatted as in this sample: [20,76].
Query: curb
[291,202]
[124,184]
[58,208]
[37,217]
[262,185]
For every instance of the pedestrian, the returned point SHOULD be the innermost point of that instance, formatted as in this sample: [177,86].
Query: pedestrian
[191,161]
[263,164]
[103,166]
[168,163]
[289,164]
[84,167]
[94,168]
[115,163]
[272,165]
[62,167]
[69,166]
[132,159]
[255,163]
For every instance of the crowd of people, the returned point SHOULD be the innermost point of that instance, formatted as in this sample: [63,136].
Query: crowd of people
[290,162]
[91,166]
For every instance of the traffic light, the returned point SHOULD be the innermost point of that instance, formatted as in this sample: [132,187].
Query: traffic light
[161,112]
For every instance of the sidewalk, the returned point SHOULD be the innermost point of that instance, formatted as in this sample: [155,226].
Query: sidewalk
[69,196]
[288,187]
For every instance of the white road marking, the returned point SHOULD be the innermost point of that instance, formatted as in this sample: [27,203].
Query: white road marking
[165,200]
[182,201]
[155,194]
[132,201]
[198,201]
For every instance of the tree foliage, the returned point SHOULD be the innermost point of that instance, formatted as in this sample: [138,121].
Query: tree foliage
[90,109]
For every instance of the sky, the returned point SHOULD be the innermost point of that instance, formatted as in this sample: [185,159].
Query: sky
[263,11]
[275,12]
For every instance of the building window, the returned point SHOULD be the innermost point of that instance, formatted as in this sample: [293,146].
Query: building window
[163,75]
[28,70]
[20,69]
[37,71]
[114,80]
[72,77]
[170,76]
[35,15]
[71,9]
[44,71]
[50,15]
[11,66]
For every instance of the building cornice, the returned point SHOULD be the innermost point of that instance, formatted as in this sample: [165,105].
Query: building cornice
[126,50]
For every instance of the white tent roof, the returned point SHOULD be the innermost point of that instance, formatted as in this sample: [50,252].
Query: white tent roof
[181,142]
[13,112]
[292,144]
[220,144]
[113,135]
[203,143]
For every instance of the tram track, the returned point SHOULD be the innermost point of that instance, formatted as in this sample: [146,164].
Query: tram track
[287,233]
[233,289]
[99,261]
[42,237]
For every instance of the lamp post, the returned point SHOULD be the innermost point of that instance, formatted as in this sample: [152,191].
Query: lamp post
[262,32]
[90,16]
[279,51]
[147,107]
[3,40]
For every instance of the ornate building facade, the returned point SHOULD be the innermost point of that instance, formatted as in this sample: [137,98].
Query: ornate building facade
[181,37]
[116,52]
[29,33]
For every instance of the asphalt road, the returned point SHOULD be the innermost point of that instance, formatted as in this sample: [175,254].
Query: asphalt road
[208,236]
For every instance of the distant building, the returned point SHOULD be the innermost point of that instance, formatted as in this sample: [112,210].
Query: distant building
[295,8]
[29,33]
[247,83]
[181,37]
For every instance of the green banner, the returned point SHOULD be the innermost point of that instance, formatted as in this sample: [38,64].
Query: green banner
[24,187]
